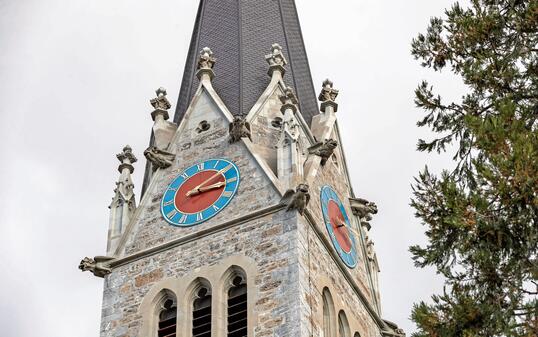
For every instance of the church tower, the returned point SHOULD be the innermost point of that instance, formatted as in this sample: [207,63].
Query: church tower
[247,225]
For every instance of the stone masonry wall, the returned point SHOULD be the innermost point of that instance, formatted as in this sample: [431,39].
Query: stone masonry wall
[318,270]
[331,175]
[270,241]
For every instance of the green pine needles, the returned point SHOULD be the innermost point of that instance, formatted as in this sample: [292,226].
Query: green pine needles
[481,217]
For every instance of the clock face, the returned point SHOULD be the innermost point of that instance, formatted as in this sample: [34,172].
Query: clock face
[338,226]
[200,192]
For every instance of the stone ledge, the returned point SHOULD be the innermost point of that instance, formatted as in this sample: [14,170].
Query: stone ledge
[195,236]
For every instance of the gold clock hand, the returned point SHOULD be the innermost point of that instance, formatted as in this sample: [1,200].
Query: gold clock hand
[196,189]
[207,188]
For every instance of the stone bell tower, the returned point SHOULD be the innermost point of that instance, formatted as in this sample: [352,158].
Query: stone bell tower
[247,223]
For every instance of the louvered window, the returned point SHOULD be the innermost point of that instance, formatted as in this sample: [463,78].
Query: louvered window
[168,320]
[201,314]
[237,308]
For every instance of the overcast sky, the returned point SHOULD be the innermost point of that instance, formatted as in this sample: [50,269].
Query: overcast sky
[76,77]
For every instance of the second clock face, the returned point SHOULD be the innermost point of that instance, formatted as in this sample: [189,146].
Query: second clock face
[338,226]
[200,192]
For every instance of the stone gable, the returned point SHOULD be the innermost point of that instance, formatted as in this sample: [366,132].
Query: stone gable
[191,146]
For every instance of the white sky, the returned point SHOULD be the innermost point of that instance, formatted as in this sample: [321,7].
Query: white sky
[76,77]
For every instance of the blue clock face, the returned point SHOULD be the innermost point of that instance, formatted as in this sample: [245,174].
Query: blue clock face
[200,192]
[338,226]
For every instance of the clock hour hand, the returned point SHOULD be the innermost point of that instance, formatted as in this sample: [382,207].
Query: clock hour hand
[196,190]
[206,188]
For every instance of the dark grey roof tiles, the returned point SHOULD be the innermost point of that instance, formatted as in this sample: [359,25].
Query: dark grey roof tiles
[240,33]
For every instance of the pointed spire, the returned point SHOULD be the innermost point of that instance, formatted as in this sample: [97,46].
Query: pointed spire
[123,203]
[233,30]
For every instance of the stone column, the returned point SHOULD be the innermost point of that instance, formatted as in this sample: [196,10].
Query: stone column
[123,203]
[162,130]
[289,163]
[322,126]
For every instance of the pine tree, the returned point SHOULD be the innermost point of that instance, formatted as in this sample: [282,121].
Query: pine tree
[481,215]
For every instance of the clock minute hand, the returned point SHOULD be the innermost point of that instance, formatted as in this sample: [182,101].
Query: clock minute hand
[197,188]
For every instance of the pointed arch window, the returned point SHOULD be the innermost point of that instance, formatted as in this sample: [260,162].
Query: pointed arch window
[201,313]
[343,325]
[237,308]
[328,313]
[168,319]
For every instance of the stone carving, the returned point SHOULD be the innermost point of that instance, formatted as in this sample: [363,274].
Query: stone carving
[276,58]
[297,199]
[160,102]
[99,265]
[324,150]
[127,158]
[370,249]
[289,100]
[206,60]
[159,159]
[238,129]
[400,332]
[327,92]
[288,97]
[364,210]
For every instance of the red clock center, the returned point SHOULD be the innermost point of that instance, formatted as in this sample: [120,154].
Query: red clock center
[202,199]
[339,226]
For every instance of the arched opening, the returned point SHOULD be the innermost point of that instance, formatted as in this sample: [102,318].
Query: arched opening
[201,313]
[357,334]
[343,325]
[167,316]
[237,313]
[328,313]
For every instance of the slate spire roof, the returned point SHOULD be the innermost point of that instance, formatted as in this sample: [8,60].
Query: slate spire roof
[240,33]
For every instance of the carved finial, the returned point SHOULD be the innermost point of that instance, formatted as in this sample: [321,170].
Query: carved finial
[328,95]
[160,104]
[206,62]
[276,59]
[127,158]
[289,100]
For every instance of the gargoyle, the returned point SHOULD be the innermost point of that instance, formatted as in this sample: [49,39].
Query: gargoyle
[297,199]
[364,210]
[98,265]
[239,128]
[159,158]
[325,150]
